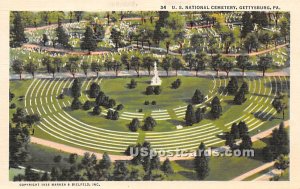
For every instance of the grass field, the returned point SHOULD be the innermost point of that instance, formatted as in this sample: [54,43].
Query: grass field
[81,129]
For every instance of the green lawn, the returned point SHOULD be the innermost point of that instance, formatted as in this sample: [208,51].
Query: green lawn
[14,172]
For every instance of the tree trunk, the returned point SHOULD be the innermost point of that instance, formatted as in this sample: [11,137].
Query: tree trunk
[97,74]
[263,72]
[176,72]
[227,74]
[32,73]
[149,71]
[53,74]
[20,76]
[217,73]
[73,75]
[283,114]
[243,71]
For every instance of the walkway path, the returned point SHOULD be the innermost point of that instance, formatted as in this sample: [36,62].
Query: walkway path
[81,152]
[284,72]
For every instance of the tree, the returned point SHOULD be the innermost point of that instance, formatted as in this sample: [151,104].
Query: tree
[244,87]
[148,63]
[57,159]
[239,98]
[176,84]
[134,124]
[216,63]
[89,41]
[45,177]
[117,66]
[121,171]
[72,65]
[190,117]
[30,175]
[31,68]
[96,67]
[17,32]
[276,38]
[196,41]
[76,104]
[243,129]
[97,110]
[199,62]
[198,97]
[78,15]
[265,38]
[232,86]
[46,61]
[62,36]
[105,162]
[19,138]
[19,116]
[177,64]
[230,140]
[115,115]
[246,143]
[251,42]
[52,69]
[94,90]
[110,114]
[85,66]
[73,158]
[125,61]
[260,18]
[45,39]
[264,63]
[243,62]
[234,131]
[57,62]
[212,45]
[201,163]
[149,123]
[32,119]
[227,65]
[111,103]
[247,24]
[279,106]
[284,26]
[136,64]
[188,58]
[227,39]
[166,167]
[11,96]
[87,105]
[216,109]
[18,67]
[116,37]
[76,88]
[166,64]
[199,115]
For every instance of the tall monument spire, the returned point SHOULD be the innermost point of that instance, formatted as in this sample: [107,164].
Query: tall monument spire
[155,81]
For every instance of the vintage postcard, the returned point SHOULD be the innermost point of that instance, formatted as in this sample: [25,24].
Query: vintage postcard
[168,92]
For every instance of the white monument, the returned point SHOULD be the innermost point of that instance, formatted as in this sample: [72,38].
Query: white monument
[155,81]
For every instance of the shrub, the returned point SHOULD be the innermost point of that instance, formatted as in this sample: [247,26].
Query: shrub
[134,125]
[76,104]
[149,90]
[153,102]
[115,115]
[94,90]
[120,107]
[12,106]
[61,96]
[57,159]
[176,84]
[87,105]
[146,102]
[157,90]
[132,84]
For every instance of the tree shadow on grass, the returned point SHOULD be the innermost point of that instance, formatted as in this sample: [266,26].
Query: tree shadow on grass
[263,116]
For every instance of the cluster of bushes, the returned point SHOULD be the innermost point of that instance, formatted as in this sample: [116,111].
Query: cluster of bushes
[192,117]
[147,102]
[11,96]
[112,115]
[176,84]
[240,95]
[239,131]
[103,100]
[150,90]
[149,124]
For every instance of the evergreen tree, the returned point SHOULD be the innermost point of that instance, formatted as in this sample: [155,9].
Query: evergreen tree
[246,143]
[149,90]
[94,90]
[157,90]
[243,128]
[121,171]
[134,124]
[62,36]
[216,109]
[87,105]
[110,114]
[76,104]
[235,132]
[190,117]
[239,97]
[105,162]
[232,86]
[198,97]
[89,41]
[230,140]
[76,88]
[201,163]
[17,32]
[166,167]
[115,115]
[97,110]
[245,87]
[199,115]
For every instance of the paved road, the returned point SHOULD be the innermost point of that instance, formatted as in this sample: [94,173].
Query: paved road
[69,149]
[284,72]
